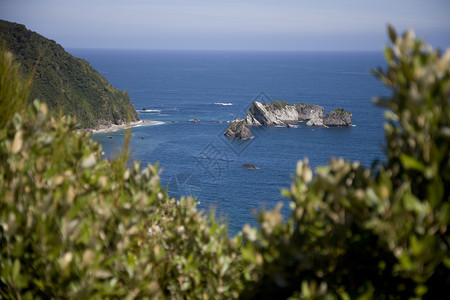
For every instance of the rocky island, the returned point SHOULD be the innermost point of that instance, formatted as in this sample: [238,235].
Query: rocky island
[284,114]
[239,129]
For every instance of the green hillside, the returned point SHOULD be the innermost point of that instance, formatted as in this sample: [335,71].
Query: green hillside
[64,81]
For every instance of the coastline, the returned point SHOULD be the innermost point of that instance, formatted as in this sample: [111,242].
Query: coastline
[115,127]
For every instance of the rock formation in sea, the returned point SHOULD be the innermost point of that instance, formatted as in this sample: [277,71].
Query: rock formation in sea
[280,112]
[338,117]
[239,129]
[283,114]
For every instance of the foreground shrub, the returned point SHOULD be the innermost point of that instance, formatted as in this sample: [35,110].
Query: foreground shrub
[377,233]
[74,225]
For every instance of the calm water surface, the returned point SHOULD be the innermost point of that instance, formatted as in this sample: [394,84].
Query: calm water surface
[215,87]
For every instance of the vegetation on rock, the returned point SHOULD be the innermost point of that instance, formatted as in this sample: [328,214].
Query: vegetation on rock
[74,225]
[65,82]
[341,110]
[276,104]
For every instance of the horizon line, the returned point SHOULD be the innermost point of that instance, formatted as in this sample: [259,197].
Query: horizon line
[224,50]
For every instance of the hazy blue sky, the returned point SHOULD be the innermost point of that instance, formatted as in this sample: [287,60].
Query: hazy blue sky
[237,25]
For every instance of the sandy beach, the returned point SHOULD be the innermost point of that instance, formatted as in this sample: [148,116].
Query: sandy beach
[114,127]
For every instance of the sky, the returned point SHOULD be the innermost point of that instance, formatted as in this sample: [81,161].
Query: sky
[230,25]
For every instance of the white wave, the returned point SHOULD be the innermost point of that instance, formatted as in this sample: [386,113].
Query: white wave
[224,103]
[149,110]
[159,122]
[154,123]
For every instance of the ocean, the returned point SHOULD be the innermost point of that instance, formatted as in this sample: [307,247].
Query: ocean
[174,87]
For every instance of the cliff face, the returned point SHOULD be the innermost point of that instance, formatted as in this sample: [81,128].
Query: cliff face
[280,113]
[66,82]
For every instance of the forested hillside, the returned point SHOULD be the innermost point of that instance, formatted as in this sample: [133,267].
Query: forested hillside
[66,82]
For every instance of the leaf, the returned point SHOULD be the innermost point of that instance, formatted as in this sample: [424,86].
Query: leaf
[17,143]
[390,115]
[420,290]
[392,33]
[383,102]
[446,261]
[411,163]
[15,270]
[412,203]
[89,161]
[388,54]
[435,192]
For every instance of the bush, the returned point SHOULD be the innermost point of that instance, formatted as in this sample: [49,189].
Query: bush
[74,225]
[376,233]
[277,104]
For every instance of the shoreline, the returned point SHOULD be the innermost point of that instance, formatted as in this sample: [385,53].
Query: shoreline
[115,127]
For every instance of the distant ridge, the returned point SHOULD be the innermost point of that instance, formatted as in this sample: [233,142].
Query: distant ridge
[66,82]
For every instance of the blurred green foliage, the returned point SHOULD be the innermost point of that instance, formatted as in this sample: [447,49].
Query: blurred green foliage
[65,82]
[74,225]
[360,233]
[14,91]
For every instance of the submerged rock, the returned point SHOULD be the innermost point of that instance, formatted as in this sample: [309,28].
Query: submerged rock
[239,129]
[250,166]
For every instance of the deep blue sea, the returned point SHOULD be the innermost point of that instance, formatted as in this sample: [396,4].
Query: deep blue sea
[215,87]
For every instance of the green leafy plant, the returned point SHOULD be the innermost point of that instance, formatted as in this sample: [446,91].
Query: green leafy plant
[75,225]
[363,233]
